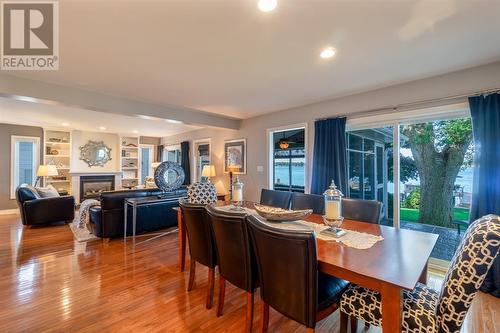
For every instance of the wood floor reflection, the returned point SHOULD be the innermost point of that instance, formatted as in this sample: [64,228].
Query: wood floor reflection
[48,282]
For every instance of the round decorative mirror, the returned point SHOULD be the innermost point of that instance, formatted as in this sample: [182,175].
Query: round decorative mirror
[95,153]
[169,176]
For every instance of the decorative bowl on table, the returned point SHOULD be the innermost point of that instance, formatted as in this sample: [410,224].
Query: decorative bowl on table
[281,215]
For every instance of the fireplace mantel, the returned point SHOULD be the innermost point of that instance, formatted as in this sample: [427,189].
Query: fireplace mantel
[75,180]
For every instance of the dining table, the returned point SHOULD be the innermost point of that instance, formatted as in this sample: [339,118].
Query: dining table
[390,266]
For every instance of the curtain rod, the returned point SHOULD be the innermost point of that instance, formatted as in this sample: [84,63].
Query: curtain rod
[412,105]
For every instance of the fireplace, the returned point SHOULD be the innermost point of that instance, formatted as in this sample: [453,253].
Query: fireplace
[92,186]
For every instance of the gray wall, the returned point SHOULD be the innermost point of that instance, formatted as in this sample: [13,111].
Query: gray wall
[6,131]
[254,129]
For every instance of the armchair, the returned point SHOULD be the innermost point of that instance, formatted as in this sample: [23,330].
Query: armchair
[36,210]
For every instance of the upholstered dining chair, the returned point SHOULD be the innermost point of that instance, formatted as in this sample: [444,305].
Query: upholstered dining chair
[361,210]
[201,244]
[235,257]
[315,202]
[289,278]
[427,310]
[280,199]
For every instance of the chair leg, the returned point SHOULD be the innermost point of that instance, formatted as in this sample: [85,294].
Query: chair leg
[344,319]
[310,330]
[192,271]
[354,324]
[265,317]
[222,294]
[249,315]
[210,291]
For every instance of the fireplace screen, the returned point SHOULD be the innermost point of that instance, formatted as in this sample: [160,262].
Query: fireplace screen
[91,187]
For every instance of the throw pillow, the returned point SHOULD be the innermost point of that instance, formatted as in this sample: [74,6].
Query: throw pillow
[47,192]
[202,193]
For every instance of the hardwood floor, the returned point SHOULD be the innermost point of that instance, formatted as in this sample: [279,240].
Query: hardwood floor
[50,283]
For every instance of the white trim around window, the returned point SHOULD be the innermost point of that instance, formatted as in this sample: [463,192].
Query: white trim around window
[270,151]
[14,139]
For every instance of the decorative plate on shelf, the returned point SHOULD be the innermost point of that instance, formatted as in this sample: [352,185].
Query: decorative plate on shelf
[169,176]
[281,215]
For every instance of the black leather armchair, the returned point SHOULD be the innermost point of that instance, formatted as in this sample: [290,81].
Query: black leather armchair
[36,210]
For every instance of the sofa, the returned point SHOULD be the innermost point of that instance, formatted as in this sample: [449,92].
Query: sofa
[36,210]
[107,219]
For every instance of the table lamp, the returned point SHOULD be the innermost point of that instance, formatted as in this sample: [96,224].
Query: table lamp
[208,171]
[46,171]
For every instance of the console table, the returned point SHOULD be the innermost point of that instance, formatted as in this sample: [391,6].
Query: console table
[142,201]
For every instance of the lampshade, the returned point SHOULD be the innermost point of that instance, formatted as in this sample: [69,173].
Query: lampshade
[47,170]
[208,171]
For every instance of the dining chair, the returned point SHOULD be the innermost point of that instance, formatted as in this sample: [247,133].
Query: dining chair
[361,210]
[315,202]
[425,309]
[289,278]
[280,199]
[201,244]
[235,257]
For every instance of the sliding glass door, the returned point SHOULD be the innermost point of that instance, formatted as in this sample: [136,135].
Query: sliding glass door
[432,164]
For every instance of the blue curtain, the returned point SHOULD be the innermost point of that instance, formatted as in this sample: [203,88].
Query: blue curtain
[485,112]
[329,159]
[185,162]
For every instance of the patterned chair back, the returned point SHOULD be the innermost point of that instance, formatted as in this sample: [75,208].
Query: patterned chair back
[202,193]
[469,266]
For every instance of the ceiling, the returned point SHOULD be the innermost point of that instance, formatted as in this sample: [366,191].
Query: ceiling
[226,57]
[54,116]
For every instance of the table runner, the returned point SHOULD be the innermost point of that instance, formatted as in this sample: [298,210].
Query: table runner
[354,239]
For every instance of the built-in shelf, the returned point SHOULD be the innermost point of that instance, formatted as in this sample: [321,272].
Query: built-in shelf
[129,164]
[61,160]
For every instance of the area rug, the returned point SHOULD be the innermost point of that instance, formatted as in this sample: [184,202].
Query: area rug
[81,235]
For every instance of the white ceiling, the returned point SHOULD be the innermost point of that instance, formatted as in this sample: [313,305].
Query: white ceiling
[53,116]
[226,57]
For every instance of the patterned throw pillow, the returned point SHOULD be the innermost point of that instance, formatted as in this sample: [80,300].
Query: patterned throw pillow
[47,192]
[202,193]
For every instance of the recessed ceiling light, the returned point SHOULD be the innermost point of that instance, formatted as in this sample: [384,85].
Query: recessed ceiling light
[135,131]
[145,117]
[267,5]
[172,121]
[102,128]
[65,124]
[328,52]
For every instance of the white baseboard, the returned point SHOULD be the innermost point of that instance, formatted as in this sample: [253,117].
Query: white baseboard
[9,211]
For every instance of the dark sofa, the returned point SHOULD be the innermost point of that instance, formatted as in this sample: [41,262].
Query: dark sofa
[107,219]
[36,210]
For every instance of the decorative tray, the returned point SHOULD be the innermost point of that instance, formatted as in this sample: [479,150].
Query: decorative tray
[281,215]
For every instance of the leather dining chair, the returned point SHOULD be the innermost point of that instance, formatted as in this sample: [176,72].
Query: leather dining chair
[289,278]
[361,210]
[315,202]
[201,244]
[280,199]
[235,257]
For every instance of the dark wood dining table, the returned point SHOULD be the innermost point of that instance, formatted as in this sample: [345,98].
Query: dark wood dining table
[390,266]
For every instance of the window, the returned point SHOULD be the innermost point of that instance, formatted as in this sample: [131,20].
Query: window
[172,154]
[288,160]
[25,158]
[146,156]
[401,159]
[201,158]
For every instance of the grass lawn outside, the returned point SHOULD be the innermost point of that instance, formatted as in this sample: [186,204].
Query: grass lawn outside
[411,215]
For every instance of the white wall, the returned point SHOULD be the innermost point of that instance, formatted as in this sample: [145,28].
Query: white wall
[80,138]
[254,129]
